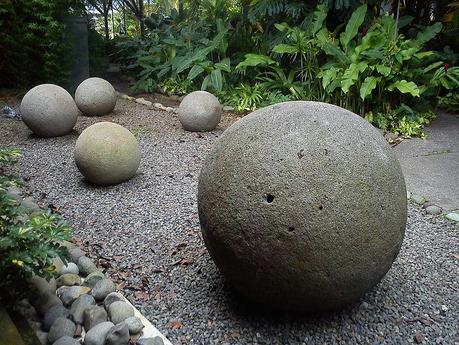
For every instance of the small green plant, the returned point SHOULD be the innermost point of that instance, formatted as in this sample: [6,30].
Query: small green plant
[28,243]
[449,102]
[244,98]
[403,121]
[176,86]
[274,97]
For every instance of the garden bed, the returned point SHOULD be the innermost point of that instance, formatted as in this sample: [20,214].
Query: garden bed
[146,234]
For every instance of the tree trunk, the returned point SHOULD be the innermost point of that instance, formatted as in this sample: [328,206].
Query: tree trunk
[107,34]
[142,24]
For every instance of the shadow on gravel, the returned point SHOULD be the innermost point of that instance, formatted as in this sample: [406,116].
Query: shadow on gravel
[249,313]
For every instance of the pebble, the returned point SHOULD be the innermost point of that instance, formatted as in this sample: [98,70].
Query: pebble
[61,327]
[102,289]
[118,335]
[86,266]
[41,286]
[97,334]
[433,210]
[14,192]
[93,278]
[120,311]
[42,337]
[52,315]
[150,341]
[134,324]
[418,199]
[69,268]
[45,302]
[75,254]
[93,315]
[113,297]
[66,340]
[453,216]
[68,279]
[78,307]
[30,205]
[68,294]
[143,102]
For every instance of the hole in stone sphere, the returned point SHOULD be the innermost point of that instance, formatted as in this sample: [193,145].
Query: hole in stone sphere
[269,198]
[291,229]
[321,207]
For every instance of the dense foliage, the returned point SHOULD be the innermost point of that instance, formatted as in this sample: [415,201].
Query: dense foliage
[33,46]
[28,242]
[376,63]
[390,61]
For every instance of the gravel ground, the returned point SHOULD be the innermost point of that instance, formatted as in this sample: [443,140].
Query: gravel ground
[146,233]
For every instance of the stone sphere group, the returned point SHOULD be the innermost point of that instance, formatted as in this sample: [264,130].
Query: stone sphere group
[199,111]
[107,153]
[302,206]
[95,97]
[49,110]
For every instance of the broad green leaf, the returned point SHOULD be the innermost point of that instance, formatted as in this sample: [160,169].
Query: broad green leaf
[205,83]
[351,75]
[285,49]
[252,60]
[368,85]
[404,21]
[320,14]
[217,79]
[366,42]
[224,65]
[383,70]
[334,51]
[422,55]
[433,66]
[408,53]
[281,26]
[353,25]
[405,87]
[194,72]
[428,33]
[328,76]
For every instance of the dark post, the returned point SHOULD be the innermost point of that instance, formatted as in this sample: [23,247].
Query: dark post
[78,34]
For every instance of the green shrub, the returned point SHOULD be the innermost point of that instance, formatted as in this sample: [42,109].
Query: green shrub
[33,44]
[450,102]
[28,242]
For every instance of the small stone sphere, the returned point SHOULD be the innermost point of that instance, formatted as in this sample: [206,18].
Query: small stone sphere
[95,97]
[199,111]
[302,206]
[49,110]
[107,153]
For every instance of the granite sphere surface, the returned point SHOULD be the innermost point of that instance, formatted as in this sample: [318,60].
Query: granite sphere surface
[95,97]
[49,110]
[107,153]
[302,206]
[199,111]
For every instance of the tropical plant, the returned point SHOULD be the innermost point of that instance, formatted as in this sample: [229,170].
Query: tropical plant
[372,70]
[28,243]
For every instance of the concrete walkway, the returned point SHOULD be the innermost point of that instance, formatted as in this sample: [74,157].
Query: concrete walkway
[431,166]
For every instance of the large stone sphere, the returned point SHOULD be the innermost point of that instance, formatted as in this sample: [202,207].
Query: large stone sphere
[302,206]
[95,97]
[49,110]
[200,111]
[107,153]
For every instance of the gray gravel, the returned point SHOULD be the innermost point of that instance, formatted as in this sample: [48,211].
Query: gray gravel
[146,233]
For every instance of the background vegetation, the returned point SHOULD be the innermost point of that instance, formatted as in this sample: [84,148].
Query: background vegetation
[392,61]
